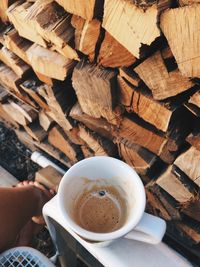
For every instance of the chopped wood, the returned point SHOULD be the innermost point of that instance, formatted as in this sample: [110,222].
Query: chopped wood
[174,186]
[100,145]
[85,9]
[180,27]
[87,152]
[192,208]
[60,98]
[44,79]
[154,112]
[139,27]
[96,89]
[130,76]
[14,62]
[44,146]
[86,35]
[112,54]
[17,44]
[18,14]
[4,4]
[49,177]
[31,87]
[130,132]
[73,136]
[193,104]
[59,139]
[161,203]
[162,83]
[53,24]
[133,130]
[9,78]
[49,63]
[188,2]
[26,110]
[137,157]
[188,162]
[45,121]
[100,126]
[15,115]
[35,131]
[7,119]
[190,230]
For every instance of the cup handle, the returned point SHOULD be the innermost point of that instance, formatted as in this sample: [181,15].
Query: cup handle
[150,229]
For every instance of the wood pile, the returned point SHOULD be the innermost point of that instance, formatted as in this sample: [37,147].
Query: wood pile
[120,79]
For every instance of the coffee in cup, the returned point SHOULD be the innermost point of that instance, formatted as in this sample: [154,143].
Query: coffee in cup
[101,209]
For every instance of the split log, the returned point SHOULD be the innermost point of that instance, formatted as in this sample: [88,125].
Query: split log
[168,116]
[35,131]
[193,104]
[194,137]
[87,34]
[53,24]
[160,203]
[26,139]
[100,126]
[129,76]
[60,98]
[31,87]
[49,63]
[96,89]
[85,9]
[188,162]
[14,62]
[4,4]
[49,177]
[142,160]
[190,229]
[162,83]
[100,145]
[9,79]
[18,15]
[173,185]
[112,54]
[59,139]
[87,152]
[133,130]
[19,112]
[192,208]
[45,121]
[44,79]
[140,27]
[180,27]
[17,44]
[188,2]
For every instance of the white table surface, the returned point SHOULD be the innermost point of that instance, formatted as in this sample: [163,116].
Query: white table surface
[123,252]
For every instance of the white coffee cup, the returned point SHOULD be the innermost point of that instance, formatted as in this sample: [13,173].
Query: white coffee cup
[96,170]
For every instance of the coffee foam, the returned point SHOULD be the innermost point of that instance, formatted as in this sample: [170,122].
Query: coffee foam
[100,209]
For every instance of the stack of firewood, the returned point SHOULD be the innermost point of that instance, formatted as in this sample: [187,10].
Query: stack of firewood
[119,78]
